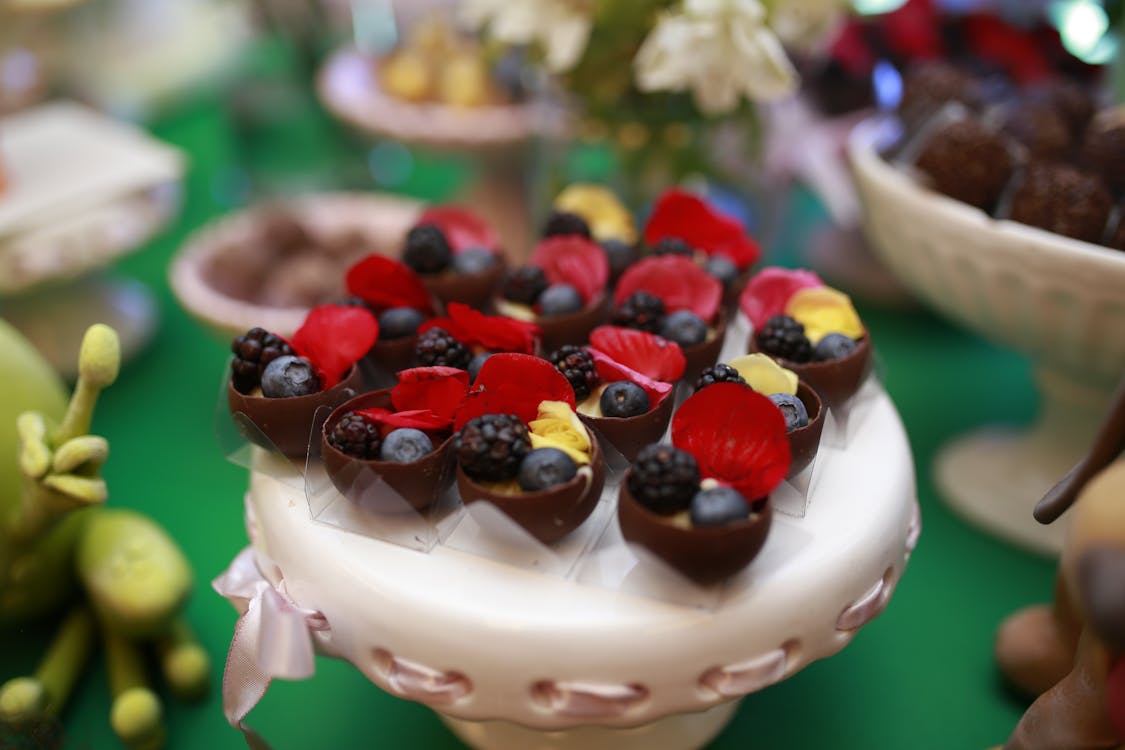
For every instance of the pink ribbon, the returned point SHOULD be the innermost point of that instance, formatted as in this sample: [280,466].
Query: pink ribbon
[272,640]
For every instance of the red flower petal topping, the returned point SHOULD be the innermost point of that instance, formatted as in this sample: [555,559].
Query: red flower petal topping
[611,371]
[384,282]
[675,279]
[333,338]
[678,213]
[418,419]
[493,332]
[463,228]
[514,384]
[768,292]
[575,260]
[736,435]
[438,390]
[651,355]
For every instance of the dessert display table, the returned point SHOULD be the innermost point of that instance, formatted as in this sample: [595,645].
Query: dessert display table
[605,655]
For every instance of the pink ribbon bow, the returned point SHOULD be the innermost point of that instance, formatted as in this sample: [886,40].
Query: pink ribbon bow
[272,639]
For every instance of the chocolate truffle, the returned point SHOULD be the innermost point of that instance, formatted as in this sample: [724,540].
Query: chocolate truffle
[1041,129]
[968,162]
[1103,147]
[1063,200]
[1118,239]
[1071,100]
[928,86]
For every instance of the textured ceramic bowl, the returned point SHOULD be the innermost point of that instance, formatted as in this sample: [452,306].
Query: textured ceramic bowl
[1055,299]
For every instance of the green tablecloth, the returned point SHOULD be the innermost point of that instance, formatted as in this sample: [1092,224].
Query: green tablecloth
[921,676]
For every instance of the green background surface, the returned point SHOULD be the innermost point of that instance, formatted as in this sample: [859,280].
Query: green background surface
[921,676]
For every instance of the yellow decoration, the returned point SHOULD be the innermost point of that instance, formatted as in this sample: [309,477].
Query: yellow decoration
[465,82]
[607,216]
[823,310]
[407,75]
[559,427]
[764,375]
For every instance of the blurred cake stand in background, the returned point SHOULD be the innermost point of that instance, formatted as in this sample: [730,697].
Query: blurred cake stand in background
[81,191]
[1059,301]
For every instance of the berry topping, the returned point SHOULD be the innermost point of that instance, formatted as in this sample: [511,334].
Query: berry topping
[399,323]
[563,223]
[833,346]
[524,284]
[641,310]
[492,446]
[405,445]
[437,348]
[793,409]
[473,260]
[684,327]
[289,376]
[722,269]
[621,255]
[476,363]
[356,436]
[254,350]
[673,246]
[718,507]
[427,249]
[577,364]
[664,479]
[720,373]
[559,299]
[544,468]
[784,337]
[624,399]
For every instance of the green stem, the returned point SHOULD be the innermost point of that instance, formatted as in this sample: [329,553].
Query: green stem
[136,714]
[183,661]
[66,657]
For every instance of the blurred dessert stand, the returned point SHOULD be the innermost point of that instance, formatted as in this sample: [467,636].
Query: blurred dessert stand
[82,190]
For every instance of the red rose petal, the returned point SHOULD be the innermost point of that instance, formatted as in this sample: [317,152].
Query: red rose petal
[495,333]
[463,228]
[514,384]
[384,282]
[611,371]
[439,390]
[768,292]
[676,280]
[418,419]
[575,260]
[333,338]
[649,354]
[736,435]
[678,213]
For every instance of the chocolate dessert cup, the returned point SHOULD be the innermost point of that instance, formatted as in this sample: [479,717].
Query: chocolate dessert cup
[574,328]
[285,424]
[835,380]
[473,289]
[704,355]
[420,483]
[628,435]
[705,555]
[392,355]
[548,515]
[804,441]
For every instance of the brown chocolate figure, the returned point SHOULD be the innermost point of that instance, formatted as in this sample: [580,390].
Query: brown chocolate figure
[1072,653]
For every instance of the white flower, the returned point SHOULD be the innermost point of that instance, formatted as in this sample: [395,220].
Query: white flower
[803,23]
[561,27]
[720,50]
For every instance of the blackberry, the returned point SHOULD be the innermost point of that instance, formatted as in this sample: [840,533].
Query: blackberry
[524,284]
[436,347]
[561,223]
[673,246]
[491,447]
[576,363]
[720,373]
[664,479]
[254,350]
[784,338]
[640,310]
[427,249]
[356,436]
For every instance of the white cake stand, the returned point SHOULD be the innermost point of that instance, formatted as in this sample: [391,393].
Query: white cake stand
[1057,300]
[512,658]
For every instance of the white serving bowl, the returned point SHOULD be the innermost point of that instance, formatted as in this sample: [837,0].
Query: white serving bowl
[1057,300]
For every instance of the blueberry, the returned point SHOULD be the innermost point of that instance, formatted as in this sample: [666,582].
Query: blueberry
[673,246]
[427,249]
[473,260]
[559,299]
[722,269]
[405,445]
[544,468]
[476,363]
[289,376]
[399,323]
[624,399]
[718,507]
[621,255]
[834,346]
[684,327]
[793,409]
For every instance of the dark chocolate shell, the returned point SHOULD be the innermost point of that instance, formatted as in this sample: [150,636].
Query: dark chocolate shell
[629,434]
[473,289]
[803,442]
[702,356]
[835,380]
